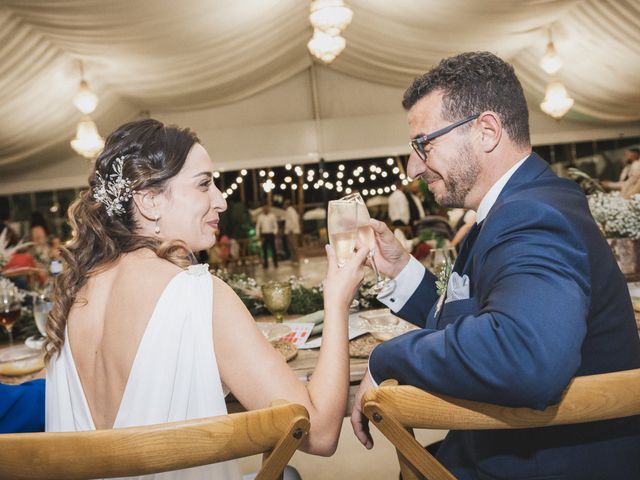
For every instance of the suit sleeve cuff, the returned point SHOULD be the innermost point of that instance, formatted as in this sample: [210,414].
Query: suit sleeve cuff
[398,291]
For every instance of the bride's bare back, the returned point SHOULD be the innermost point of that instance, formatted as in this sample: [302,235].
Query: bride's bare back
[106,324]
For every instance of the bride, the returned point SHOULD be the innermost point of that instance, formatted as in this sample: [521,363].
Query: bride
[139,336]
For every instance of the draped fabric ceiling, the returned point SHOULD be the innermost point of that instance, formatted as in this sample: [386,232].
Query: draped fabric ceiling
[239,73]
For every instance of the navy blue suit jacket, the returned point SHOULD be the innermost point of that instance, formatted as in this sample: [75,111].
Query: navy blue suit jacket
[22,407]
[547,303]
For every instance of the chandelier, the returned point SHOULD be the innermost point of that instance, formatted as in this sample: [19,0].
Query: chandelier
[551,61]
[557,101]
[87,141]
[329,18]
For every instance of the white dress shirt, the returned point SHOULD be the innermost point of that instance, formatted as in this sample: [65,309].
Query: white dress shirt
[398,207]
[266,223]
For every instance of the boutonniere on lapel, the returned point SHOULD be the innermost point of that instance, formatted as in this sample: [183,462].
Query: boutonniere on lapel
[442,281]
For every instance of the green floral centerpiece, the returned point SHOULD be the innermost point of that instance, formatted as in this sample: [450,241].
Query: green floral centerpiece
[304,299]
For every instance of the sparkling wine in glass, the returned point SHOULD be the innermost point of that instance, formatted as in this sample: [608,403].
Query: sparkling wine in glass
[342,224]
[366,236]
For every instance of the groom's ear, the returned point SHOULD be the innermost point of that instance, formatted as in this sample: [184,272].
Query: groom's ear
[147,203]
[490,130]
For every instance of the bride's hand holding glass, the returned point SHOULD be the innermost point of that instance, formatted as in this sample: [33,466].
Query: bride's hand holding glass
[342,282]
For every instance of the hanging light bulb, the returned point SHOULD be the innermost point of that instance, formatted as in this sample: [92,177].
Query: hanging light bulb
[85,100]
[326,47]
[330,16]
[551,61]
[88,141]
[557,101]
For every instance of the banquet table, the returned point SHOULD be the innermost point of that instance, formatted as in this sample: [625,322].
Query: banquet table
[303,365]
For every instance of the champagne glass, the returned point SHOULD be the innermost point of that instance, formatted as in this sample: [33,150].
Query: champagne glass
[366,236]
[277,298]
[10,304]
[342,224]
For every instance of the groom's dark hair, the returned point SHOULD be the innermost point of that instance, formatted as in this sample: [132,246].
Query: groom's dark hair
[472,83]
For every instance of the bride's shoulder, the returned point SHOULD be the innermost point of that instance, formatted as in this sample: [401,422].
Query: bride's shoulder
[146,263]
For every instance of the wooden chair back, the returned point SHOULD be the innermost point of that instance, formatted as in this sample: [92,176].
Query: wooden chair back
[276,431]
[397,410]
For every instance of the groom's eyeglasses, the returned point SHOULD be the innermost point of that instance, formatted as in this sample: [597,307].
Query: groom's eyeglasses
[419,144]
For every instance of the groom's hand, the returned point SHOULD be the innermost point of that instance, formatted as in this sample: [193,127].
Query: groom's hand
[390,256]
[359,422]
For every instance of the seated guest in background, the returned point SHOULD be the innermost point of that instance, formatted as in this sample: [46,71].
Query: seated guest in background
[22,407]
[138,336]
[39,237]
[535,298]
[20,259]
[629,182]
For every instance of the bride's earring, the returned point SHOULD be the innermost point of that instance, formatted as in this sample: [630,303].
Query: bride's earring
[157,229]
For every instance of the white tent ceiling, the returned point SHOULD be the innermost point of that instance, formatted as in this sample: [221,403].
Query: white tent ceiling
[238,72]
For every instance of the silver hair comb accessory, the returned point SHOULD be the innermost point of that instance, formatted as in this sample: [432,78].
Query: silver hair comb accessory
[114,190]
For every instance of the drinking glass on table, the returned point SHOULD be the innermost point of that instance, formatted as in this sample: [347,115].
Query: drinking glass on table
[42,305]
[10,304]
[366,236]
[441,259]
[277,298]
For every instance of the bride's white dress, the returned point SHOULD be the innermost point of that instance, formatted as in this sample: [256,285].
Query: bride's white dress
[174,375]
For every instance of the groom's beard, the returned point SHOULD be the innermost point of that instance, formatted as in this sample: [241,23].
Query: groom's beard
[461,178]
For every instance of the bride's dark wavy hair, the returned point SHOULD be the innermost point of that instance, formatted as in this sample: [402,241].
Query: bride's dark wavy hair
[152,154]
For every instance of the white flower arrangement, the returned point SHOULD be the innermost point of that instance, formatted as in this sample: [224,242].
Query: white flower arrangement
[618,217]
[5,251]
[8,286]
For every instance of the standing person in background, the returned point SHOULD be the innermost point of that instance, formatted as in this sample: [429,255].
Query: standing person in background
[292,230]
[416,211]
[399,206]
[267,229]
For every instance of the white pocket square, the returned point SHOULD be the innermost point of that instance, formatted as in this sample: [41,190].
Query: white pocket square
[457,288]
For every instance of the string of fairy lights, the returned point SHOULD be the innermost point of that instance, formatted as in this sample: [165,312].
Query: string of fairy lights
[314,178]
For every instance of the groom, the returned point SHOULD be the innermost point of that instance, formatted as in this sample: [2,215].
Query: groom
[535,299]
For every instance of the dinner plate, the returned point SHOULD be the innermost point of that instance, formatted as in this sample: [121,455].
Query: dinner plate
[20,360]
[273,331]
